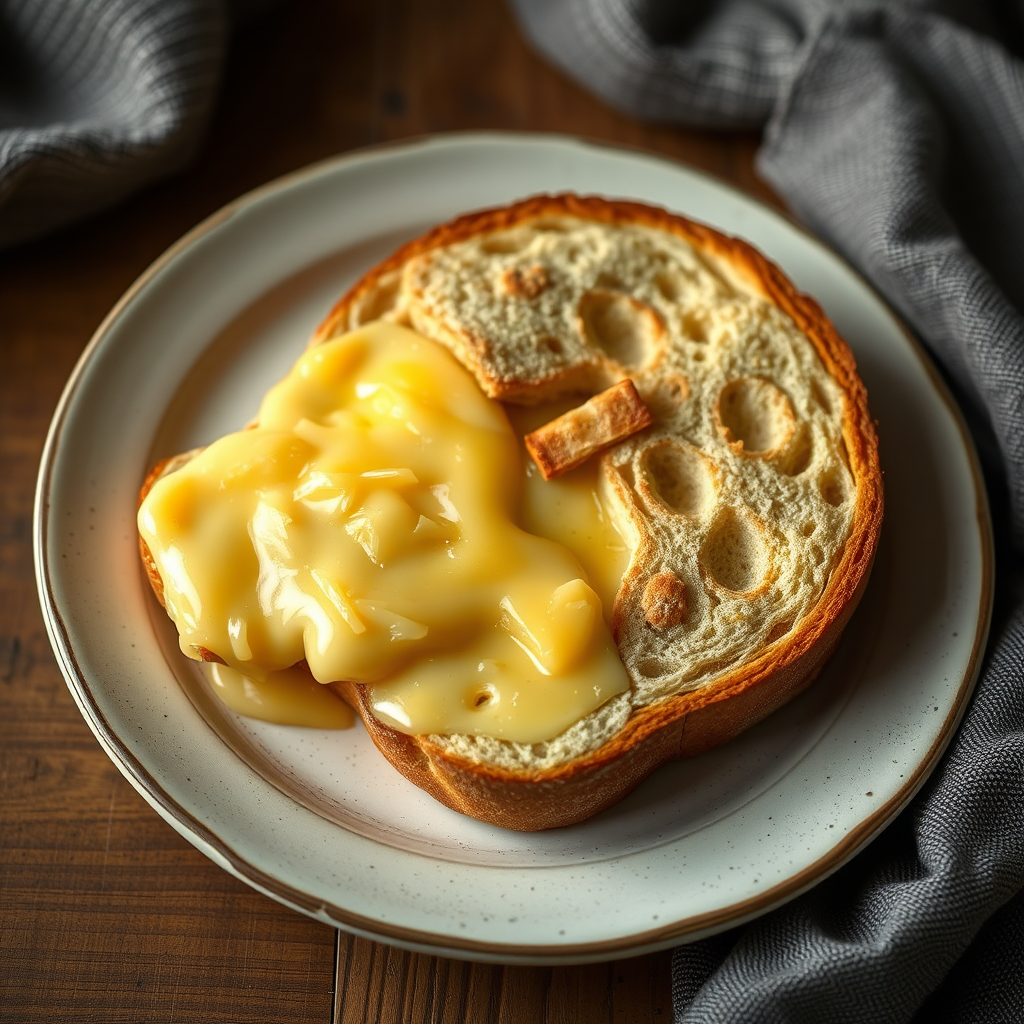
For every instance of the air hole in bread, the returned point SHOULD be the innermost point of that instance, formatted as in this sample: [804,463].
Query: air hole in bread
[665,398]
[608,281]
[671,284]
[778,631]
[698,356]
[808,528]
[798,457]
[695,327]
[379,300]
[505,241]
[843,453]
[678,477]
[551,344]
[734,555]
[676,388]
[833,487]
[626,330]
[817,554]
[754,416]
[653,668]
[821,398]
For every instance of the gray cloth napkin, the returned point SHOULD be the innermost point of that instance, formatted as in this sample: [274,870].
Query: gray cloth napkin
[98,98]
[896,132]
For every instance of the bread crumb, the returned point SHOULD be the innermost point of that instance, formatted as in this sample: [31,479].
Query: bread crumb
[664,600]
[525,282]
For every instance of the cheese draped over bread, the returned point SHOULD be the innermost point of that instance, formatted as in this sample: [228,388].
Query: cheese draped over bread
[374,557]
[365,525]
[737,502]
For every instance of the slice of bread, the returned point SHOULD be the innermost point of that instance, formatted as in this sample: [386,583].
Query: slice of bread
[752,503]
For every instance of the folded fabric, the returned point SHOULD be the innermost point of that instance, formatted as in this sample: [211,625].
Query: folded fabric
[896,132]
[97,98]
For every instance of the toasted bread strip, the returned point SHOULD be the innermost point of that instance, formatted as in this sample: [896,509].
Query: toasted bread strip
[597,424]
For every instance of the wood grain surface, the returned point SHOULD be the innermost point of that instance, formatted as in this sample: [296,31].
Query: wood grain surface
[106,914]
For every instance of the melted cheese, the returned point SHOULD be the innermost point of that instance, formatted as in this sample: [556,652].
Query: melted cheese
[291,697]
[367,525]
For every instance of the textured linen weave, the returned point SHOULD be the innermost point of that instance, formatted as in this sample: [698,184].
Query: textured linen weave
[98,98]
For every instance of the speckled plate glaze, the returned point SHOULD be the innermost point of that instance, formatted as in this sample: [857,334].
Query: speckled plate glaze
[318,820]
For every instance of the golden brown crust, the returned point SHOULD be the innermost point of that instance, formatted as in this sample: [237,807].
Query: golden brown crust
[691,722]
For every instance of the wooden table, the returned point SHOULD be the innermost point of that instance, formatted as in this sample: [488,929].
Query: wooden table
[105,913]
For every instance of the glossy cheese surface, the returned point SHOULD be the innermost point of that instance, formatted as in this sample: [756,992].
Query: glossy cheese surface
[367,525]
[289,697]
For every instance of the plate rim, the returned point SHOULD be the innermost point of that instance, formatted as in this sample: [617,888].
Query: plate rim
[440,943]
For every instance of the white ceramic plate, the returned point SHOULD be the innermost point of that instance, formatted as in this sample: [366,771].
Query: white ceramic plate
[318,820]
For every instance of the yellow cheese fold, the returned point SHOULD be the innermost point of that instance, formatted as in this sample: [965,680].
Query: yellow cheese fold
[367,525]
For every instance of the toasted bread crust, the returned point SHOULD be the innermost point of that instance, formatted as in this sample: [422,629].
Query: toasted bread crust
[676,726]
